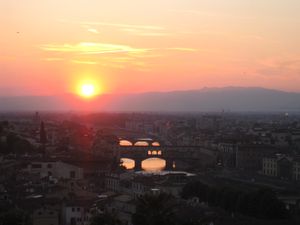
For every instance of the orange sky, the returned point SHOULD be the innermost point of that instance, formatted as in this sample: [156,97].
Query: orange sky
[52,46]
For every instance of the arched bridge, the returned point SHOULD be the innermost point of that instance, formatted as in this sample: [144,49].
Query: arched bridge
[139,142]
[170,154]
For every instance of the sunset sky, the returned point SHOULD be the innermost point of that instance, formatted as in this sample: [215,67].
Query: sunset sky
[52,47]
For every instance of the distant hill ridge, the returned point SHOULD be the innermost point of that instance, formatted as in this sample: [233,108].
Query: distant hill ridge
[206,99]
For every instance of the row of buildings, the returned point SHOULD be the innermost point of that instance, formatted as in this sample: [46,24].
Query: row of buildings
[282,166]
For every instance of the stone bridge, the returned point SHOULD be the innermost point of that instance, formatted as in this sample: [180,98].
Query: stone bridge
[170,154]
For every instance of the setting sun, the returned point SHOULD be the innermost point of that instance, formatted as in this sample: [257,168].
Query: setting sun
[86,86]
[88,90]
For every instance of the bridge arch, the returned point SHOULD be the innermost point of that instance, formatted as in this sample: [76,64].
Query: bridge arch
[154,164]
[124,142]
[141,143]
[128,163]
[155,144]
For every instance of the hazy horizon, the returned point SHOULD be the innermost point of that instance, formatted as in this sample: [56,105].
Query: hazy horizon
[207,99]
[150,92]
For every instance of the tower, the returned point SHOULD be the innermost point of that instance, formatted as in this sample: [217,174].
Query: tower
[43,135]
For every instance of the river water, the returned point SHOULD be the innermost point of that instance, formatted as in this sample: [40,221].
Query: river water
[151,164]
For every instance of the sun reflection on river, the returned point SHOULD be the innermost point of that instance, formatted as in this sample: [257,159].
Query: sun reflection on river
[151,164]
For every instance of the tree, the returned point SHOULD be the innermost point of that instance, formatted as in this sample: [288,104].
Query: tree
[195,189]
[269,206]
[17,145]
[104,219]
[155,210]
[14,217]
[262,203]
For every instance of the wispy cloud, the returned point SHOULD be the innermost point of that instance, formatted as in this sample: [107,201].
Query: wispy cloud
[109,55]
[183,49]
[53,59]
[138,32]
[132,29]
[153,34]
[191,11]
[93,30]
[91,48]
[84,62]
[118,25]
[210,14]
[121,25]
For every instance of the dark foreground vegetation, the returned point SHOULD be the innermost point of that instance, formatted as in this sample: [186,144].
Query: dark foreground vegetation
[260,204]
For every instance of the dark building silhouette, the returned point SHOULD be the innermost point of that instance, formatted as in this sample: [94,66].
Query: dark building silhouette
[43,135]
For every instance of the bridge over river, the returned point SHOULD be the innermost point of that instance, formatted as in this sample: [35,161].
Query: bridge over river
[144,149]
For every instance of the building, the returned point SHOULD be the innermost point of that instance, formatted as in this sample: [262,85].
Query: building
[296,170]
[138,184]
[123,207]
[45,216]
[249,157]
[270,166]
[281,137]
[55,170]
[227,154]
[282,166]
[77,212]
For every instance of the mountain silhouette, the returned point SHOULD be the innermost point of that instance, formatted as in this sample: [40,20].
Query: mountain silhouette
[206,99]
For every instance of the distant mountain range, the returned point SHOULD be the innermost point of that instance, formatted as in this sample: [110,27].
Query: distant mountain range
[206,99]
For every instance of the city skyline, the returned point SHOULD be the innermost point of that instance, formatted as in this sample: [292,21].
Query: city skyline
[54,47]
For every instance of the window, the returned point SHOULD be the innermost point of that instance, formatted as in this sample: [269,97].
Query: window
[73,209]
[78,209]
[49,166]
[72,174]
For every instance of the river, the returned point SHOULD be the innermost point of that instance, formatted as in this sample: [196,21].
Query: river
[151,164]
